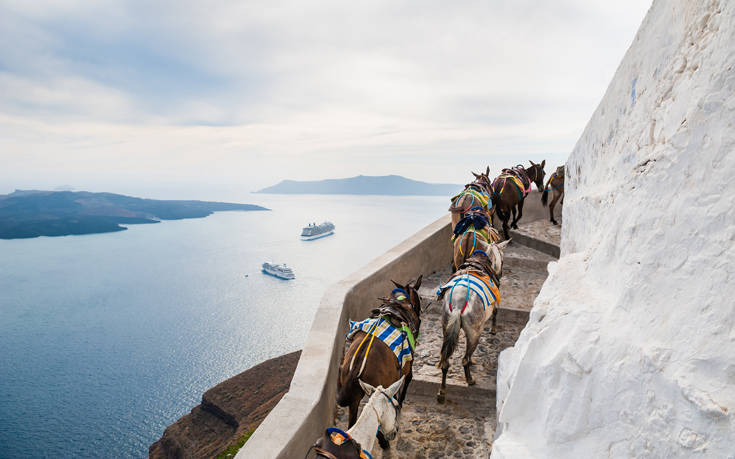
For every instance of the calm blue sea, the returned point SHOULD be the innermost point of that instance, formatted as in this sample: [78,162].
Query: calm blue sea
[106,339]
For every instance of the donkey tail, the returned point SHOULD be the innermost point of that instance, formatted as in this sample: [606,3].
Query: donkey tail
[545,194]
[451,334]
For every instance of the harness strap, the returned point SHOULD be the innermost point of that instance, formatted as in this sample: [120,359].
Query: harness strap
[322,452]
[467,299]
[370,332]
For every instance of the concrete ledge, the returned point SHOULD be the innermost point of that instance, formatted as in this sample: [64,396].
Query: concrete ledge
[536,244]
[308,408]
[512,315]
[464,393]
[535,265]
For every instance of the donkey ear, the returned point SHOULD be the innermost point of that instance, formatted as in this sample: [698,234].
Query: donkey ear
[417,284]
[476,175]
[501,245]
[543,163]
[397,284]
[395,387]
[532,163]
[367,388]
[487,171]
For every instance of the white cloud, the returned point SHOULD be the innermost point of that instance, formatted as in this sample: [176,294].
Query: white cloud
[257,91]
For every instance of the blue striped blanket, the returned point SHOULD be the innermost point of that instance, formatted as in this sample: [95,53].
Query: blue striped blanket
[393,337]
[482,285]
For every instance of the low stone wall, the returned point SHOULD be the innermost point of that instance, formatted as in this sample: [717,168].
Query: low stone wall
[309,406]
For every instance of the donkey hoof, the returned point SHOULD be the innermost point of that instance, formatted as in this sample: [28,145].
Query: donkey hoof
[471,382]
[440,398]
[553,222]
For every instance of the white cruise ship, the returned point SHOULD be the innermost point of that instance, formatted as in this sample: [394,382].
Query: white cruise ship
[314,231]
[280,271]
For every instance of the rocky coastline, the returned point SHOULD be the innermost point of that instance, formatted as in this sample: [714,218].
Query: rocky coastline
[228,411]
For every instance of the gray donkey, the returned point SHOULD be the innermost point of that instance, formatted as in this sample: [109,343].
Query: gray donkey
[474,296]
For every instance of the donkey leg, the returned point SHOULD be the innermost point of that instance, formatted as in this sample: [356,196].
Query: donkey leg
[354,406]
[505,227]
[404,389]
[472,340]
[442,394]
[513,221]
[493,329]
[551,208]
[520,214]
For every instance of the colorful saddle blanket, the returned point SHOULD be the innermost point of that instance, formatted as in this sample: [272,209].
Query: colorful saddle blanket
[395,338]
[479,198]
[522,191]
[479,283]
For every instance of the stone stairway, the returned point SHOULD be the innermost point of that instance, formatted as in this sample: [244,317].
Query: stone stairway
[464,426]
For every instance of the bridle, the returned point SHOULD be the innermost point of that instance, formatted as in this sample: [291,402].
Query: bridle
[536,168]
[358,448]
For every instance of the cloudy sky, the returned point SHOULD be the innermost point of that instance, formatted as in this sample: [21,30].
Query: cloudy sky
[179,98]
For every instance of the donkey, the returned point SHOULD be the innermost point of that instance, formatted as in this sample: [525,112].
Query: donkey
[379,414]
[382,361]
[555,184]
[473,298]
[475,194]
[472,232]
[510,189]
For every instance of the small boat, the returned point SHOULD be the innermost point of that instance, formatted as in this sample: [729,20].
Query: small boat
[314,231]
[280,271]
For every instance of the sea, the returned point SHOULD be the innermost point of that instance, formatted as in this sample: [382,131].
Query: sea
[106,339]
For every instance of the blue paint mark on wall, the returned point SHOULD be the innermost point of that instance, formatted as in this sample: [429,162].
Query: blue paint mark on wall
[632,92]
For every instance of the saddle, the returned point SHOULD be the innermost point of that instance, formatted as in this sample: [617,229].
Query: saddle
[520,172]
[473,271]
[476,220]
[397,314]
[337,444]
[479,265]
[517,177]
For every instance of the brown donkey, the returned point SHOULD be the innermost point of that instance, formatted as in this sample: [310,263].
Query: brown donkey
[510,189]
[381,361]
[555,184]
[475,194]
[473,232]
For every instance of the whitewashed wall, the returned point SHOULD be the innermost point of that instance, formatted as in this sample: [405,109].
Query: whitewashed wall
[630,350]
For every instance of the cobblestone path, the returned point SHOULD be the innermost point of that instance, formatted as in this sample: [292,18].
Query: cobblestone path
[464,426]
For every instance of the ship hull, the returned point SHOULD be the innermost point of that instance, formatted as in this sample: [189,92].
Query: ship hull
[278,275]
[318,236]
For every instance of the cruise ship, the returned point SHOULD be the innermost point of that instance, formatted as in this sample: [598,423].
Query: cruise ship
[280,271]
[314,231]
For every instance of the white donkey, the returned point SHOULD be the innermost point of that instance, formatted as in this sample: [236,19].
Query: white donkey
[474,296]
[380,412]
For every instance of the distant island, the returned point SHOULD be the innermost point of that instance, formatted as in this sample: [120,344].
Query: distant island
[394,185]
[33,213]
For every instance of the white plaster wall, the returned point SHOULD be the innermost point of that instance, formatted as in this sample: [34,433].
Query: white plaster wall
[630,348]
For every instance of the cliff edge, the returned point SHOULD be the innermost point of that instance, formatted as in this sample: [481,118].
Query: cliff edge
[228,411]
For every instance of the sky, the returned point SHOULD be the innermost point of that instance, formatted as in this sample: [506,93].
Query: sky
[191,99]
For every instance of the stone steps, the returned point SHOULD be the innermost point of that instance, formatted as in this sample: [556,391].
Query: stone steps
[464,426]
